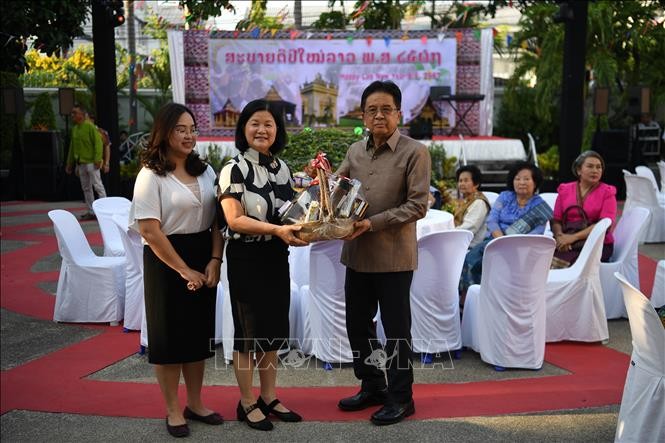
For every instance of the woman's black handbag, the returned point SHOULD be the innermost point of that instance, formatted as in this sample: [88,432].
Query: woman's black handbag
[571,227]
[563,259]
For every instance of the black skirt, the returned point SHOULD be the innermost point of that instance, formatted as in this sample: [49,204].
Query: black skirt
[260,292]
[181,323]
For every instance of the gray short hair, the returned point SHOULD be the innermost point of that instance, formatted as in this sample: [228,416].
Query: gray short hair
[579,161]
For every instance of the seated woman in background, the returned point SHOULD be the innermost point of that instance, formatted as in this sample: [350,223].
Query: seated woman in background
[473,206]
[519,210]
[589,198]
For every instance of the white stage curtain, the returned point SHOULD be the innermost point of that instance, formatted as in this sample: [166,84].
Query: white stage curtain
[486,82]
[177,61]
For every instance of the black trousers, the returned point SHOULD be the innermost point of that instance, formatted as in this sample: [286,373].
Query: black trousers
[389,290]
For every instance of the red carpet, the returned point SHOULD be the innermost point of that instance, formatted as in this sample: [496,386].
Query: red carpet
[56,382]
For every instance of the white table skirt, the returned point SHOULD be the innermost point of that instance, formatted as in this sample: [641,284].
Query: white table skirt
[484,150]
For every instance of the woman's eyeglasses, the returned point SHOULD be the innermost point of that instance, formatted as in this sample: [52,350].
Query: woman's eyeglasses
[183,131]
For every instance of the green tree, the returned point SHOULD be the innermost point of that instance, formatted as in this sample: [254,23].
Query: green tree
[53,23]
[381,14]
[199,10]
[43,117]
[331,20]
[625,46]
[258,18]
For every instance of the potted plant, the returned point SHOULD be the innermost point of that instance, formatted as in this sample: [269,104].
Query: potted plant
[549,164]
[42,156]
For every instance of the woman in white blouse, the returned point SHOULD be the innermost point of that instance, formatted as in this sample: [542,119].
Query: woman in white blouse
[174,210]
[473,207]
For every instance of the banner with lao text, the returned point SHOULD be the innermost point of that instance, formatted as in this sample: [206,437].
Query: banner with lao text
[320,82]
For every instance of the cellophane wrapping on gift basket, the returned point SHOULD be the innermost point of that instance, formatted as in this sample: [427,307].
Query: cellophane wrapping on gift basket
[327,208]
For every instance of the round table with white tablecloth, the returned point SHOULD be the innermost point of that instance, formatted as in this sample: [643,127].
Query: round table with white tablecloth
[434,221]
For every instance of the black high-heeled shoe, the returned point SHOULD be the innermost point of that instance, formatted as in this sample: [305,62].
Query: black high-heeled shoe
[289,416]
[261,425]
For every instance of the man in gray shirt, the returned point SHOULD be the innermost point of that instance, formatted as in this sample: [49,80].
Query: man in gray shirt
[381,255]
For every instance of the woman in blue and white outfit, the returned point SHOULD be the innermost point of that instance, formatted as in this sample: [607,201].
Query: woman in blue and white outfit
[253,186]
[519,210]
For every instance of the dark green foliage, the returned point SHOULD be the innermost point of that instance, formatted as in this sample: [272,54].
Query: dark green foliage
[8,123]
[304,146]
[43,117]
[518,116]
[330,20]
[54,23]
[201,10]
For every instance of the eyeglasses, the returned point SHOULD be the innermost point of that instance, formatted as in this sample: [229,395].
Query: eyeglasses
[385,110]
[182,131]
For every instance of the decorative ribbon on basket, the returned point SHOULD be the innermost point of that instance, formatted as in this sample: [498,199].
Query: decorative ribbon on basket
[322,165]
[326,211]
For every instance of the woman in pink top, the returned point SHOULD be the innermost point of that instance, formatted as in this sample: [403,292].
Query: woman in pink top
[597,199]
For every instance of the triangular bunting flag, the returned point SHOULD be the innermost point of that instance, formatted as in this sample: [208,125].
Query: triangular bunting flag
[441,36]
[423,39]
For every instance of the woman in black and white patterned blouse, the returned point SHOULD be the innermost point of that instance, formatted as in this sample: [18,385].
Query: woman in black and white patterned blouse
[253,186]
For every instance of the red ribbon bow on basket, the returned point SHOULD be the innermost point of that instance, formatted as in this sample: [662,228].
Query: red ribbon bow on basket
[321,162]
[322,166]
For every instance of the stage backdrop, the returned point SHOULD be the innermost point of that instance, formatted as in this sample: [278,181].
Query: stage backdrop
[317,78]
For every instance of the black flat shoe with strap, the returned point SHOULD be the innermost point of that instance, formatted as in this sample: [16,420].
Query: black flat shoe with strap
[177,431]
[261,425]
[289,416]
[212,419]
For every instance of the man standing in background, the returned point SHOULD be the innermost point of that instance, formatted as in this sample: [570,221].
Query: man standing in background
[85,153]
[106,156]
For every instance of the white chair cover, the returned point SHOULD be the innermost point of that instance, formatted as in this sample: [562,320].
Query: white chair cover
[640,193]
[624,260]
[90,288]
[104,209]
[299,265]
[658,291]
[131,241]
[644,171]
[144,329]
[491,197]
[661,169]
[504,316]
[574,296]
[228,329]
[642,412]
[324,305]
[435,319]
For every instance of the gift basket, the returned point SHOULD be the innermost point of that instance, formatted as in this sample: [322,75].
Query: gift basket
[327,208]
